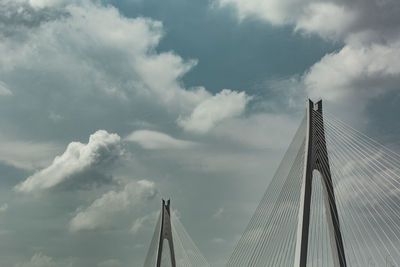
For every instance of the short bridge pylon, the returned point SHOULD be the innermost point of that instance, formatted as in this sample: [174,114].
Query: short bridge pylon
[161,252]
[166,235]
[171,245]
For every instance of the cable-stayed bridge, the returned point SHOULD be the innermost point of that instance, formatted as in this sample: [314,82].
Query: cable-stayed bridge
[333,201]
[171,246]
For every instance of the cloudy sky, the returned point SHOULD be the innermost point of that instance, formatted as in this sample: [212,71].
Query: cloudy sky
[107,106]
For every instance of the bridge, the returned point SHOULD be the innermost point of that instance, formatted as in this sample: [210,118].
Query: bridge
[333,201]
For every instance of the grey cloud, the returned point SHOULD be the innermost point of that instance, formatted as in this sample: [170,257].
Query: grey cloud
[251,132]
[3,207]
[17,16]
[87,180]
[4,90]
[110,263]
[157,140]
[25,154]
[102,212]
[41,260]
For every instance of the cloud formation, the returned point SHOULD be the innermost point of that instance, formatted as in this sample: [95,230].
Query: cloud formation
[207,114]
[41,260]
[93,52]
[332,19]
[102,149]
[4,90]
[3,207]
[45,3]
[110,263]
[157,140]
[101,213]
[366,66]
[80,41]
[139,223]
[304,15]
[365,71]
[26,155]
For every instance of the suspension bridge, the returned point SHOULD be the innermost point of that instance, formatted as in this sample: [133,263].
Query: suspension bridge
[333,201]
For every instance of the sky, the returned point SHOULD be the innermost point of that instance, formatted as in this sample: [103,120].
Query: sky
[108,106]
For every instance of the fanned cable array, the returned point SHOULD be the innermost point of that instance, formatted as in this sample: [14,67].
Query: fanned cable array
[151,257]
[334,201]
[319,251]
[270,237]
[364,188]
[366,179]
[185,251]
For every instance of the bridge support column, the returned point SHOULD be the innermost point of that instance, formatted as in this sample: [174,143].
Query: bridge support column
[166,234]
[316,158]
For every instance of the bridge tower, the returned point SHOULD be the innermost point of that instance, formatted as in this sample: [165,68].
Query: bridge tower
[166,234]
[316,158]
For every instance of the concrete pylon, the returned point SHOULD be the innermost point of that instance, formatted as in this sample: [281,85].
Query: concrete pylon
[316,158]
[166,234]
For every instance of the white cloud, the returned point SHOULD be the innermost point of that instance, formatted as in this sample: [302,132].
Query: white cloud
[101,213]
[26,155]
[332,19]
[55,117]
[218,213]
[93,50]
[45,3]
[355,72]
[218,240]
[139,223]
[103,148]
[274,11]
[4,90]
[110,263]
[207,114]
[80,45]
[156,140]
[41,260]
[368,64]
[327,19]
[259,131]
[3,207]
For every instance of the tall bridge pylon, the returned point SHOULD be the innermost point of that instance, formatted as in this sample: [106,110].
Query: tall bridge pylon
[316,158]
[333,201]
